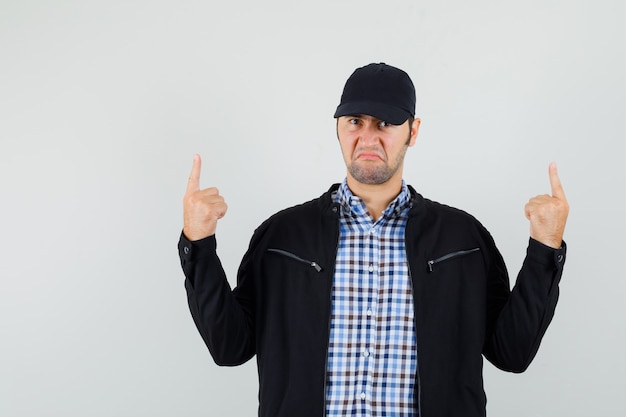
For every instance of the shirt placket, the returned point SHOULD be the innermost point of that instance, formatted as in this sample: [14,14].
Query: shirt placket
[369,313]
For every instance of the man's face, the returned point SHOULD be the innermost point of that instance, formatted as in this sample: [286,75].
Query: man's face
[374,150]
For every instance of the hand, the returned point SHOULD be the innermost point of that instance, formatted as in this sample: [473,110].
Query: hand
[202,208]
[548,213]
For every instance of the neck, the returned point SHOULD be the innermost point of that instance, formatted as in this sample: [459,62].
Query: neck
[376,196]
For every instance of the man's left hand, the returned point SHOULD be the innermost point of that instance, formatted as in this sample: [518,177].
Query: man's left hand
[548,213]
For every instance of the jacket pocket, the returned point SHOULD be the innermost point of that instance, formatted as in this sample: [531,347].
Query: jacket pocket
[290,255]
[431,264]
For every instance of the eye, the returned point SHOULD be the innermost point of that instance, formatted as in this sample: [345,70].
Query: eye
[353,121]
[382,123]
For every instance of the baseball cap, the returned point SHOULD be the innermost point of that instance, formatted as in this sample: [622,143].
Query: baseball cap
[378,90]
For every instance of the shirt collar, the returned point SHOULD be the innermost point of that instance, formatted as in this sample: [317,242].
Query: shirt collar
[355,205]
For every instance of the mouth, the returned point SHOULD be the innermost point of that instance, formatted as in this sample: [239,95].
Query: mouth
[368,156]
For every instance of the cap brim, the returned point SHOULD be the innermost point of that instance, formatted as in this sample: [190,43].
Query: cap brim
[390,114]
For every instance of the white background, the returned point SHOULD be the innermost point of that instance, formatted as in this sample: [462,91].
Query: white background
[104,103]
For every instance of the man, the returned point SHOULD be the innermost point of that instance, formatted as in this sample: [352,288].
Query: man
[372,300]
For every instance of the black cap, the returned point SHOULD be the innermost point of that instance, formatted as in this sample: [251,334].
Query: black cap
[378,90]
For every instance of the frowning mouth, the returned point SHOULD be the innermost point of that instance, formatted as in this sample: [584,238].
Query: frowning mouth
[368,156]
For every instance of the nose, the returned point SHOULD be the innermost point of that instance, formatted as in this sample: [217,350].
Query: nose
[369,134]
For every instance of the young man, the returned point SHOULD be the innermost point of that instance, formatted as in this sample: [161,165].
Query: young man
[372,300]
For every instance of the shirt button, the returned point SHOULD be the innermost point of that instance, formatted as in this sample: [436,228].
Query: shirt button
[371,268]
[362,396]
[366,353]
[369,312]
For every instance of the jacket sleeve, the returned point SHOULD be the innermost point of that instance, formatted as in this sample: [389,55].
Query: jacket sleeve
[224,317]
[518,321]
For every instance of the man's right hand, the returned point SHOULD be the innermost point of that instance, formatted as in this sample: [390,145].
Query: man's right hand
[202,208]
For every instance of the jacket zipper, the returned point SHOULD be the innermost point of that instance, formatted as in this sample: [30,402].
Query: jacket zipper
[327,346]
[417,368]
[451,255]
[315,265]
[330,313]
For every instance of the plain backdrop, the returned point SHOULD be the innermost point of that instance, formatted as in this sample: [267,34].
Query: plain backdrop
[104,103]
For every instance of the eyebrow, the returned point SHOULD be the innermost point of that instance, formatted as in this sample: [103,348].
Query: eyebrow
[364,116]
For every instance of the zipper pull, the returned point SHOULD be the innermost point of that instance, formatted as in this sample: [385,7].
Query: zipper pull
[316,266]
[430,265]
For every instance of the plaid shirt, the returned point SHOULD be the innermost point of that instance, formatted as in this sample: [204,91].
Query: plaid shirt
[372,354]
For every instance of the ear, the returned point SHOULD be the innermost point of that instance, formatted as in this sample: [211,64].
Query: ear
[415,127]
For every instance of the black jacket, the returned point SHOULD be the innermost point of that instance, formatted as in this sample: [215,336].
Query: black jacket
[280,309]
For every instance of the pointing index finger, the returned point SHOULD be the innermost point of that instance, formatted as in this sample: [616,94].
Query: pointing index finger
[555,182]
[194,177]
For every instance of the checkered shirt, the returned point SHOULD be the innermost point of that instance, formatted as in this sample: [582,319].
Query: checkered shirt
[372,353]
